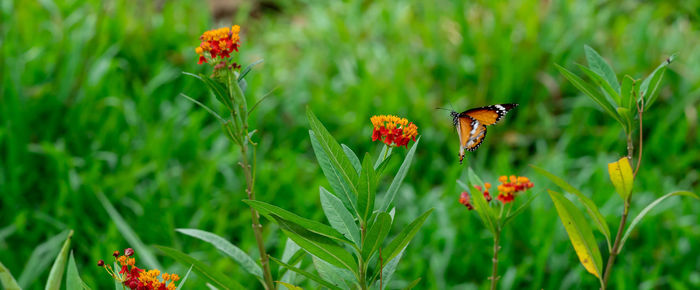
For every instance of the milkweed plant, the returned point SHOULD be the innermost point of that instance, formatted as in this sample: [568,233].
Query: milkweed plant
[626,103]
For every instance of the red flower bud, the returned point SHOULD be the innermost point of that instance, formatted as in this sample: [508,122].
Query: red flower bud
[116,254]
[129,252]
[100,263]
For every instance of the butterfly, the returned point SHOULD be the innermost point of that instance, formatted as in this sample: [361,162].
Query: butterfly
[471,125]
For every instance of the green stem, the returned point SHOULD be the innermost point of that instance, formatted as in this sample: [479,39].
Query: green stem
[496,247]
[361,265]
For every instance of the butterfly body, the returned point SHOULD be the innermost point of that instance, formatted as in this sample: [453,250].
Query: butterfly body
[471,125]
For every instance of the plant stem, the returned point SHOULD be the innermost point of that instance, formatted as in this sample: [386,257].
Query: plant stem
[255,217]
[616,245]
[496,247]
[361,264]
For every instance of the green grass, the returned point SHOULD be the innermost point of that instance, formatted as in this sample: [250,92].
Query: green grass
[89,103]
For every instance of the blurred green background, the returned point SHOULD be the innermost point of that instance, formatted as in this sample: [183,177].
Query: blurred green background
[89,103]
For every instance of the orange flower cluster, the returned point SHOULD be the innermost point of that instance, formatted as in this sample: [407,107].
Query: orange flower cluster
[465,199]
[393,130]
[507,191]
[135,278]
[219,42]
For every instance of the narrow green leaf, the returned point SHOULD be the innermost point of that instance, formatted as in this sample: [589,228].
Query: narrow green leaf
[203,271]
[601,67]
[73,280]
[388,270]
[376,235]
[398,179]
[383,156]
[212,112]
[341,188]
[353,158]
[404,237]
[339,217]
[184,279]
[292,255]
[40,259]
[216,88]
[649,88]
[520,209]
[317,245]
[267,210]
[648,208]
[590,91]
[335,153]
[59,266]
[627,92]
[227,248]
[366,189]
[591,208]
[580,234]
[248,68]
[482,208]
[7,280]
[413,284]
[145,253]
[333,274]
[311,276]
[598,79]
[236,92]
[622,177]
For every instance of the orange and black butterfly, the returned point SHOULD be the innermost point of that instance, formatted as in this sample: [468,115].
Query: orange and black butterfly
[471,125]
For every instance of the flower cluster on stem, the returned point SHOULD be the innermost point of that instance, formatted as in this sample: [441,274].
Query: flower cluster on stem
[393,130]
[133,277]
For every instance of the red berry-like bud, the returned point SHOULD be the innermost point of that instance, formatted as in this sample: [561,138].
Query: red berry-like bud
[115,254]
[129,252]
[100,263]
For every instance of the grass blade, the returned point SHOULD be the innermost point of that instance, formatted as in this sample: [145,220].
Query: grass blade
[59,266]
[6,280]
[41,258]
[648,208]
[227,248]
[144,252]
[580,234]
[203,271]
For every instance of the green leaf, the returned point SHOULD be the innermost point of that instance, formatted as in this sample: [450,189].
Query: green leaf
[209,274]
[376,235]
[591,208]
[332,274]
[649,208]
[227,248]
[184,279]
[342,189]
[59,266]
[383,156]
[649,88]
[212,112]
[144,252]
[626,116]
[398,179]
[73,280]
[267,210]
[580,234]
[292,255]
[413,284]
[590,91]
[311,276]
[614,95]
[237,95]
[7,280]
[404,237]
[216,88]
[248,68]
[601,67]
[520,209]
[482,208]
[366,189]
[339,217]
[317,245]
[622,177]
[41,258]
[353,158]
[388,270]
[627,92]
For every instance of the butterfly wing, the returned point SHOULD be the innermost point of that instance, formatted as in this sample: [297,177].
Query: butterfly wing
[489,115]
[471,134]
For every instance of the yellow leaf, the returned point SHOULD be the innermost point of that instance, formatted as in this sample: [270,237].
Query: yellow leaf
[290,286]
[622,177]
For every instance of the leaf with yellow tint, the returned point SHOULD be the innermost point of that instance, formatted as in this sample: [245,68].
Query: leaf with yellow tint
[580,234]
[622,177]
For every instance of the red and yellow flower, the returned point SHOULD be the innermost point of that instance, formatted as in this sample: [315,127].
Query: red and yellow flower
[219,43]
[510,187]
[393,131]
[134,278]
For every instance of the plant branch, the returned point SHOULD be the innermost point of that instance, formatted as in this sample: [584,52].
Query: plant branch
[616,245]
[640,109]
[494,271]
